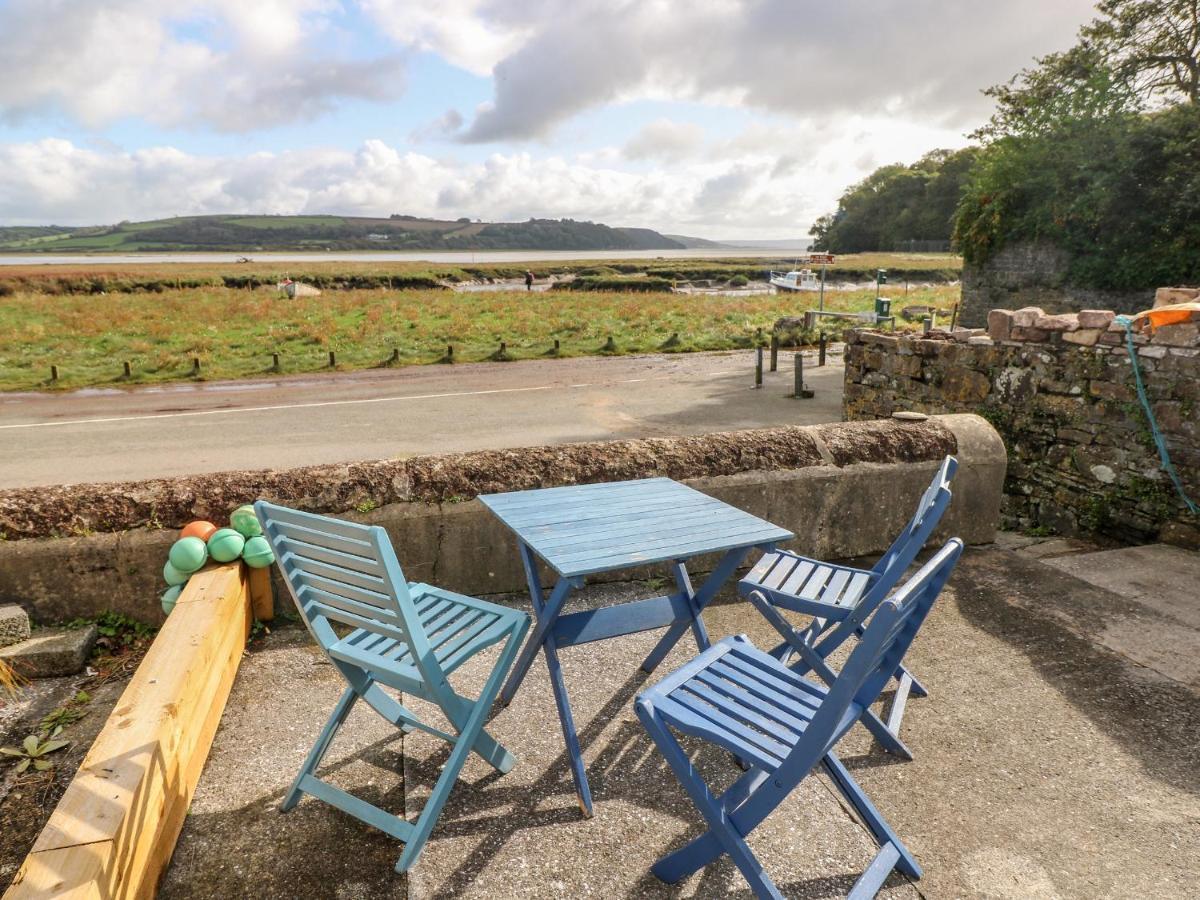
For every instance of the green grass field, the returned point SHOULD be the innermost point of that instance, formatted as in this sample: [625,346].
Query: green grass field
[235,331]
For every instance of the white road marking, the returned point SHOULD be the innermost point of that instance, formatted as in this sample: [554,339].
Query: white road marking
[250,409]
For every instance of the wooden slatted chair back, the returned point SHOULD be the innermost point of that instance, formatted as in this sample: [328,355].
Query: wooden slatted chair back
[344,573]
[930,509]
[876,657]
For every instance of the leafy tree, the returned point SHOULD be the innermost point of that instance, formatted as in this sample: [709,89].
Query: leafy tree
[1097,151]
[1135,56]
[896,204]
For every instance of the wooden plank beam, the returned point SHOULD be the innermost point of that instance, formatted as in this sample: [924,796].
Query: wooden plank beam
[113,831]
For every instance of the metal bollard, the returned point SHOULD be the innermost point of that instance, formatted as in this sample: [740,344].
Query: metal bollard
[821,350]
[758,366]
[774,353]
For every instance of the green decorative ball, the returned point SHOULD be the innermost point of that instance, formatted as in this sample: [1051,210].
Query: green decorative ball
[245,522]
[169,598]
[188,554]
[173,576]
[257,553]
[225,545]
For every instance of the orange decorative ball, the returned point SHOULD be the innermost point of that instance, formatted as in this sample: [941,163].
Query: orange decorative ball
[200,529]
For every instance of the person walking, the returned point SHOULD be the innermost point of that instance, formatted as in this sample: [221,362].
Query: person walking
[528,280]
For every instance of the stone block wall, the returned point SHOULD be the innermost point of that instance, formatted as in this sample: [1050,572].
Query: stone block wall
[1060,389]
[1034,274]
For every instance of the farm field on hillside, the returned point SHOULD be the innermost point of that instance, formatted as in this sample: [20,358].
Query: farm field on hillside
[234,332]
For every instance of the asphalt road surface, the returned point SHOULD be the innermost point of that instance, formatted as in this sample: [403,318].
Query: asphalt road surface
[149,432]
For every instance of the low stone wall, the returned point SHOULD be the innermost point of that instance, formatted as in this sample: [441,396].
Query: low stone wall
[1060,389]
[1034,274]
[844,489]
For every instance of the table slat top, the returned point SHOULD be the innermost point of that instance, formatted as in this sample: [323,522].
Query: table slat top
[588,528]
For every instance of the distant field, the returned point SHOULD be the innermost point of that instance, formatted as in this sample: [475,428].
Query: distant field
[234,331]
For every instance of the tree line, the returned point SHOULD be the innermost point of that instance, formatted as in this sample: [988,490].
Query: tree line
[1095,149]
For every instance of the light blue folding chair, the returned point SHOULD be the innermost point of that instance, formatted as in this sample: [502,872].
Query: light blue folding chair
[751,704]
[841,598]
[377,629]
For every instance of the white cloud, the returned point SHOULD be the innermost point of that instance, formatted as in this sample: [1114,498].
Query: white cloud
[665,139]
[100,62]
[764,191]
[921,59]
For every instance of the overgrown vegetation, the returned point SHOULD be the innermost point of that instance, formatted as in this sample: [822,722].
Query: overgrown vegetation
[234,332]
[1097,150]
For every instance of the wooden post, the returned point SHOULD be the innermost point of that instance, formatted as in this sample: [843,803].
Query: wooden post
[54,373]
[115,826]
[774,353]
[332,360]
[610,345]
[800,391]
[275,361]
[395,352]
[195,365]
[128,369]
[758,366]
[821,350]
[262,595]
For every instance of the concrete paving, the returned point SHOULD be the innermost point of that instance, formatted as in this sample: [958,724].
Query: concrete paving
[172,430]
[1046,766]
[1162,631]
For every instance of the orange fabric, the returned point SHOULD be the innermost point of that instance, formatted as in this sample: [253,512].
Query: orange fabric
[1175,314]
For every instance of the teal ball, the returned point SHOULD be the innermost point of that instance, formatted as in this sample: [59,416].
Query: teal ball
[225,545]
[170,597]
[245,522]
[188,554]
[173,576]
[257,553]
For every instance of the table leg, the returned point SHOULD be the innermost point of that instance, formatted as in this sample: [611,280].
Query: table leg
[685,588]
[544,614]
[543,636]
[725,568]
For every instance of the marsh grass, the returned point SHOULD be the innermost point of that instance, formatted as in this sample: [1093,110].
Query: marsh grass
[233,332]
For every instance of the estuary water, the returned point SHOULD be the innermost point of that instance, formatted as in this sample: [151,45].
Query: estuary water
[460,257]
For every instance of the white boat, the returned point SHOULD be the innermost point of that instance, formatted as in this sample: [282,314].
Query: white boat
[297,289]
[796,280]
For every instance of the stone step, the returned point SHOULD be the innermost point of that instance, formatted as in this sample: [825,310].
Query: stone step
[14,625]
[52,652]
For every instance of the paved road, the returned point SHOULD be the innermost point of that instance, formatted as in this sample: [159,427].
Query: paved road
[108,435]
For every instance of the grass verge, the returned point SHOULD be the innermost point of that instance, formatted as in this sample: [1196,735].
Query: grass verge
[235,332]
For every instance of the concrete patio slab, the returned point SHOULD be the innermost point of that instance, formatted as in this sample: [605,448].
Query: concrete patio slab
[1047,765]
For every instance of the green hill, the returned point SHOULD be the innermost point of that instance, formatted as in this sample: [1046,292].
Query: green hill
[289,233]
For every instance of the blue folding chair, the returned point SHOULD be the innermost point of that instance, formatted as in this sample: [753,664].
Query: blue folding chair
[409,637]
[751,704]
[841,598]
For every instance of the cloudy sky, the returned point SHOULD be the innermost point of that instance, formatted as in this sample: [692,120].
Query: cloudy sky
[718,118]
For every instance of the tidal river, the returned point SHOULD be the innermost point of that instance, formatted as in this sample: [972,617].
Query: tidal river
[464,256]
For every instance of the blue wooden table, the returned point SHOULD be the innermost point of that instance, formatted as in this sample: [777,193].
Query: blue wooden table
[585,529]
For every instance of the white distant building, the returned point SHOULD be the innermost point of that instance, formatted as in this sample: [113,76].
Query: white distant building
[378,237]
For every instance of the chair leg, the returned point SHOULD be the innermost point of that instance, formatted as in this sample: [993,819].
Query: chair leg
[324,739]
[467,739]
[488,748]
[887,735]
[918,689]
[700,853]
[880,830]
